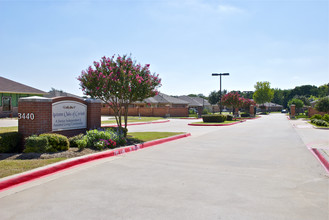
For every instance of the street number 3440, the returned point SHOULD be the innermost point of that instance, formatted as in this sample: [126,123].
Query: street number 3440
[28,116]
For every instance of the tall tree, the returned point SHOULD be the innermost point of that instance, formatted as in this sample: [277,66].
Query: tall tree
[214,96]
[119,82]
[263,92]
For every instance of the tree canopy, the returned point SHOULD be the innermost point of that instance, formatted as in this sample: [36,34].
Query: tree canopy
[263,92]
[119,82]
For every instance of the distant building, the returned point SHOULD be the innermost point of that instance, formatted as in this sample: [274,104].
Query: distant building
[269,106]
[163,100]
[11,92]
[56,93]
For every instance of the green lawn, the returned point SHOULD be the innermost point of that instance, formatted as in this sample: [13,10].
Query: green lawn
[11,167]
[8,129]
[149,136]
[132,119]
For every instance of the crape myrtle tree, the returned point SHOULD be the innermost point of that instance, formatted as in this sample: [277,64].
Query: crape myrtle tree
[119,82]
[232,100]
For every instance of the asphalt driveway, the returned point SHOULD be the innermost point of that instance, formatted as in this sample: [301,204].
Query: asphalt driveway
[260,169]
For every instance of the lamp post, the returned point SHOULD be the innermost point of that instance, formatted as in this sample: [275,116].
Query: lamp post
[220,88]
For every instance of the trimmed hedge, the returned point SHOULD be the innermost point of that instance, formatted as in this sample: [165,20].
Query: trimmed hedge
[36,144]
[245,115]
[229,117]
[316,116]
[9,142]
[326,118]
[57,142]
[73,140]
[214,118]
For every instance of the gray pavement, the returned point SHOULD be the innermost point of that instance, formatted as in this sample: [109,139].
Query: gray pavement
[8,122]
[260,169]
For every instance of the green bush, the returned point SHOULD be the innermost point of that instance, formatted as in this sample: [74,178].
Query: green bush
[326,118]
[81,144]
[214,118]
[73,140]
[36,144]
[118,130]
[57,142]
[320,122]
[316,116]
[229,117]
[245,115]
[322,105]
[9,142]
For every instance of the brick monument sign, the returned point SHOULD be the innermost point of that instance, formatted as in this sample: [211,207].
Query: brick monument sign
[63,115]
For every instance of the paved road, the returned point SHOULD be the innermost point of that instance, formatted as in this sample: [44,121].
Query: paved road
[260,169]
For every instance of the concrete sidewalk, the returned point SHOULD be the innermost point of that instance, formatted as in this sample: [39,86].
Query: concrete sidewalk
[315,138]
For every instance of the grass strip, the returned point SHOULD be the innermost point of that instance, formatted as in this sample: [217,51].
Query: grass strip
[11,167]
[150,136]
[8,129]
[134,119]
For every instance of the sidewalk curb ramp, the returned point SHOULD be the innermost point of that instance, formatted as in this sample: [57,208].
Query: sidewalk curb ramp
[18,179]
[323,161]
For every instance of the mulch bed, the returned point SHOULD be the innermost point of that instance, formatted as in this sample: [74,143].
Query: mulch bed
[72,152]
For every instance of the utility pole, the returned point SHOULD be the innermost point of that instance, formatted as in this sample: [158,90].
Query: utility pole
[220,88]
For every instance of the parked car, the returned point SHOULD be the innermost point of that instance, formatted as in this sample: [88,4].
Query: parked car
[284,111]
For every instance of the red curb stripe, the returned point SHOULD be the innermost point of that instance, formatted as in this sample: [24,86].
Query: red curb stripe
[320,158]
[33,175]
[217,124]
[141,123]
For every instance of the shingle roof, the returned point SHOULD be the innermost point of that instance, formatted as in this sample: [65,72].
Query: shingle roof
[9,86]
[164,99]
[56,93]
[195,101]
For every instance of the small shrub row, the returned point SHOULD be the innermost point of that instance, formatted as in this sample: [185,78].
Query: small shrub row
[46,143]
[245,115]
[214,118]
[320,117]
[320,122]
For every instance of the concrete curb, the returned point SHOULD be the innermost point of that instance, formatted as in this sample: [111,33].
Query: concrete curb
[217,124]
[51,169]
[319,157]
[140,123]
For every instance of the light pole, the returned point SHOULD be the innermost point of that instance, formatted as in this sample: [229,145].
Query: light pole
[220,88]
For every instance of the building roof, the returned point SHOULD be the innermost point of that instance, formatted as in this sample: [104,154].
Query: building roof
[56,93]
[270,104]
[195,101]
[164,99]
[9,86]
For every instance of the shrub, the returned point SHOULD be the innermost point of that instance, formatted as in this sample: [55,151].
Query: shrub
[205,111]
[118,130]
[319,122]
[81,144]
[213,118]
[57,142]
[73,140]
[36,144]
[316,116]
[244,115]
[9,142]
[326,118]
[229,117]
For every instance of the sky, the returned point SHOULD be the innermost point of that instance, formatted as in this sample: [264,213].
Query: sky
[47,43]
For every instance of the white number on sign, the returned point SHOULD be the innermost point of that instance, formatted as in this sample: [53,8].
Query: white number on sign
[28,116]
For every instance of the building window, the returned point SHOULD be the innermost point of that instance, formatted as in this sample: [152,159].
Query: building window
[6,103]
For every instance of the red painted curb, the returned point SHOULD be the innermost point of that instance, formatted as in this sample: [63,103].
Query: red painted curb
[320,158]
[217,124]
[141,123]
[32,175]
